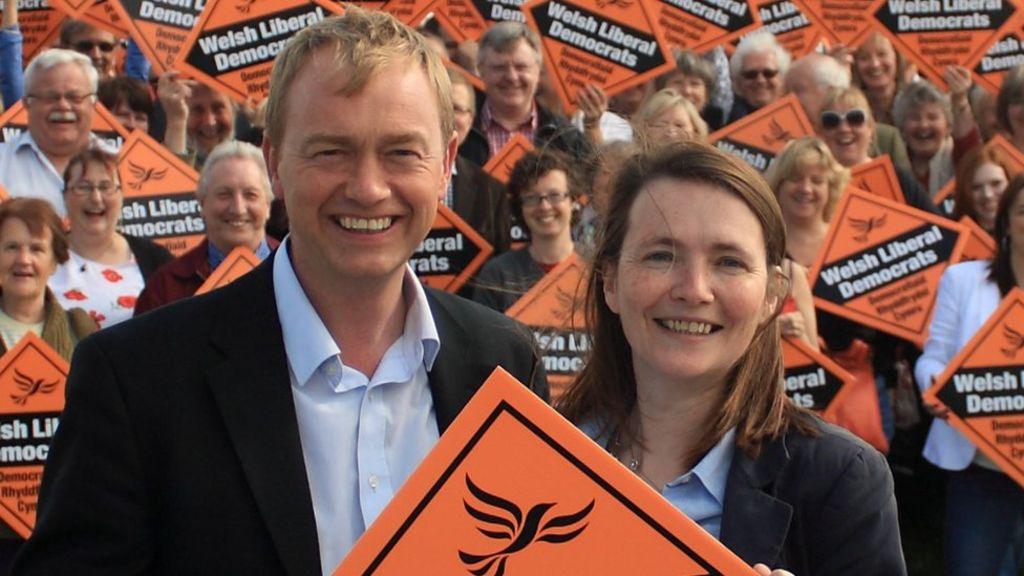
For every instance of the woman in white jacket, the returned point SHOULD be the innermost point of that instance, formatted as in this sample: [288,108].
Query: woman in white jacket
[984,532]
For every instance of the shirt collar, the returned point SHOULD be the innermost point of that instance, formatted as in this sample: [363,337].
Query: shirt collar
[487,119]
[713,468]
[307,343]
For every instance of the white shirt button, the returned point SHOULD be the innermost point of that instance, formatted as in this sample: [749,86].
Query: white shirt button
[374,481]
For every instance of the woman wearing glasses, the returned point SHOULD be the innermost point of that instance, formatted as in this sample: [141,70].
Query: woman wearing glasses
[666,117]
[105,270]
[542,188]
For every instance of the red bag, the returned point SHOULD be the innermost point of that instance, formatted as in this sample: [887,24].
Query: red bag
[860,413]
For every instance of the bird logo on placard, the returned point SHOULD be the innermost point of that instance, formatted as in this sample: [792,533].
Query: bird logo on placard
[504,521]
[144,175]
[1015,341]
[245,6]
[30,386]
[866,226]
[776,133]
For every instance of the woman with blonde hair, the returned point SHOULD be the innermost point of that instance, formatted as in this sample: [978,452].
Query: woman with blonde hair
[668,117]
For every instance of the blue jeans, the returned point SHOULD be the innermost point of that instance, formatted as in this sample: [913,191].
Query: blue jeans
[984,524]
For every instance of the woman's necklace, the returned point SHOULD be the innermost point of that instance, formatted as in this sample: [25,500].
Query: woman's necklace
[633,460]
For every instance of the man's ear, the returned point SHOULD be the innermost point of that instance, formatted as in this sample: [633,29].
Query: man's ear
[449,160]
[270,155]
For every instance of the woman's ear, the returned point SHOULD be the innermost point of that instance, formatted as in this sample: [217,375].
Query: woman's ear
[607,272]
[776,293]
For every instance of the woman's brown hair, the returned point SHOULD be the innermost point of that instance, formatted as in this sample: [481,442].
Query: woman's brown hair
[965,169]
[754,400]
[37,214]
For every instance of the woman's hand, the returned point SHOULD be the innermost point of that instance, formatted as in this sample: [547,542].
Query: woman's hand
[792,324]
[936,410]
[763,570]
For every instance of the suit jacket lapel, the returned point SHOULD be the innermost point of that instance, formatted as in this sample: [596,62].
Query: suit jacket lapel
[754,522]
[253,392]
[450,383]
[463,194]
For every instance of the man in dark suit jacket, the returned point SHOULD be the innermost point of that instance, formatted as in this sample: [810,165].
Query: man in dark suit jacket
[188,443]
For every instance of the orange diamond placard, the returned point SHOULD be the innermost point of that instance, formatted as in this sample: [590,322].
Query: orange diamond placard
[73,8]
[936,34]
[813,380]
[32,377]
[238,263]
[500,165]
[980,245]
[700,25]
[514,488]
[1006,53]
[233,45]
[797,33]
[553,311]
[843,21]
[159,195]
[613,45]
[451,253]
[103,15]
[881,261]
[14,121]
[981,386]
[159,27]
[40,25]
[758,137]
[879,178]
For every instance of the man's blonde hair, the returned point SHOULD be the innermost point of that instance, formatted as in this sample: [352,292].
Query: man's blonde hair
[367,42]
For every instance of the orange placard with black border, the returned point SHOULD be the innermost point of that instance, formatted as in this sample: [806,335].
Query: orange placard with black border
[758,137]
[14,121]
[238,263]
[881,261]
[935,34]
[473,78]
[40,26]
[159,27]
[843,21]
[553,311]
[879,178]
[613,45]
[514,488]
[500,165]
[104,16]
[159,195]
[32,378]
[813,380]
[451,253]
[73,8]
[982,388]
[797,33]
[411,12]
[467,20]
[700,25]
[980,245]
[1004,55]
[233,45]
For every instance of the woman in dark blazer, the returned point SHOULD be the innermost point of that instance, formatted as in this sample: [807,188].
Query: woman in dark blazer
[684,381]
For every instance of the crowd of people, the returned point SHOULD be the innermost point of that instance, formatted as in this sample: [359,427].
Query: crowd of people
[698,267]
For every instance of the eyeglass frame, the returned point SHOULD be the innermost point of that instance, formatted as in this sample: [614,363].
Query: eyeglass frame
[552,198]
[77,191]
[72,98]
[830,119]
[767,73]
[85,46]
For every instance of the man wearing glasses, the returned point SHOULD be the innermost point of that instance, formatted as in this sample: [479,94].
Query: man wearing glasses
[98,45]
[60,96]
[757,68]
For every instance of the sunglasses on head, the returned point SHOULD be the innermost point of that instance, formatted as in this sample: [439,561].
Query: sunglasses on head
[854,118]
[768,74]
[88,45]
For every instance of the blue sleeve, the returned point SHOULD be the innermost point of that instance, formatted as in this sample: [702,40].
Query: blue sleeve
[135,63]
[12,81]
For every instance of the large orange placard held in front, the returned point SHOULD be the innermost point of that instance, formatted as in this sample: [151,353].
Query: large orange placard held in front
[982,387]
[159,195]
[553,311]
[881,262]
[450,254]
[613,46]
[514,488]
[758,137]
[32,378]
[935,34]
[233,45]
